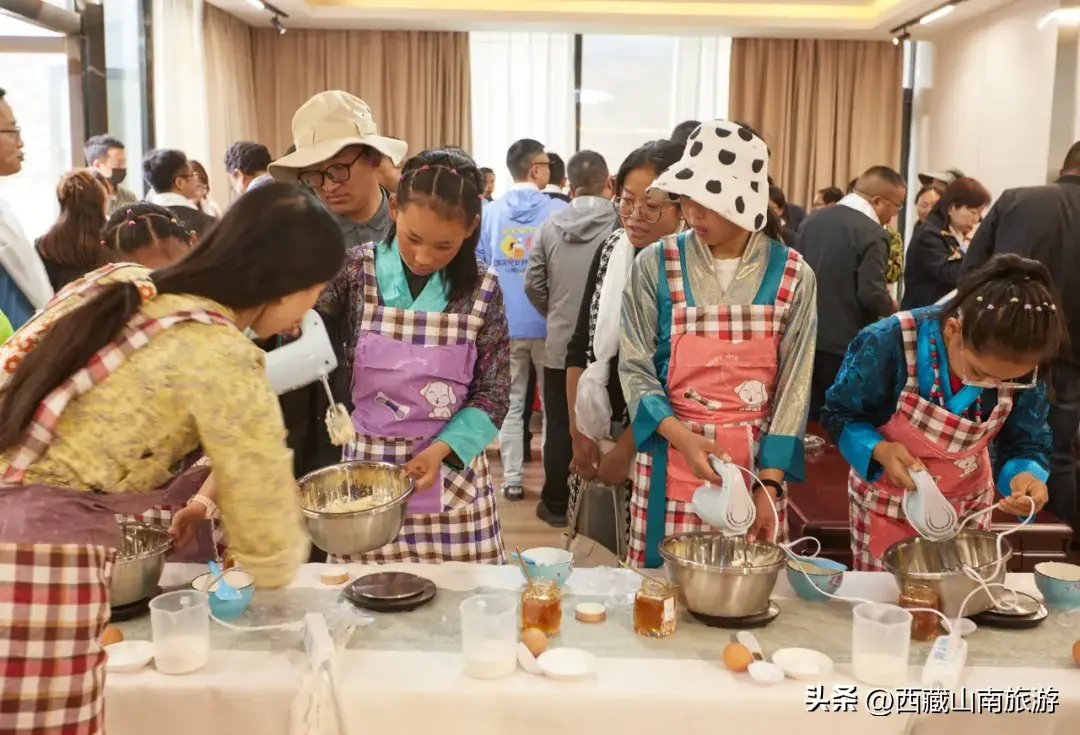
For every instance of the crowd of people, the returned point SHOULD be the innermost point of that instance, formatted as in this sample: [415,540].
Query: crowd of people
[674,309]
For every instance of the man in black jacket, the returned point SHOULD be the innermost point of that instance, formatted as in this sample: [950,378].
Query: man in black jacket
[1043,223]
[848,248]
[169,174]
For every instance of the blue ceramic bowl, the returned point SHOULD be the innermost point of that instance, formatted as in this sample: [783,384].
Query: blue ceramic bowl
[810,589]
[549,563]
[228,609]
[1057,591]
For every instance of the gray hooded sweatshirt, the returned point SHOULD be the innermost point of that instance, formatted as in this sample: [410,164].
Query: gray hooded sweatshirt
[559,263]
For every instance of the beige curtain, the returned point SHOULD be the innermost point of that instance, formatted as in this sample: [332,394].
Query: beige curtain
[827,109]
[230,93]
[417,83]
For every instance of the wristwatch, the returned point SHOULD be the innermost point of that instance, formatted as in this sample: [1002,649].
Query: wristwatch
[777,486]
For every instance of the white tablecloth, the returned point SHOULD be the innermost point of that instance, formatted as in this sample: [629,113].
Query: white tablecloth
[417,692]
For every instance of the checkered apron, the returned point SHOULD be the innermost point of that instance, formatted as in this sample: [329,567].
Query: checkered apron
[467,528]
[732,324]
[944,442]
[54,598]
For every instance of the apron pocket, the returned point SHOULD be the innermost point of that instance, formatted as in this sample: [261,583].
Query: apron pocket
[736,441]
[884,532]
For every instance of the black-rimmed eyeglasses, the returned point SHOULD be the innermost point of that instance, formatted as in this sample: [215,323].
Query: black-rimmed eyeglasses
[338,173]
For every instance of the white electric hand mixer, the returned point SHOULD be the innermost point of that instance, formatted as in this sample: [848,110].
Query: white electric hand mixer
[728,508]
[929,513]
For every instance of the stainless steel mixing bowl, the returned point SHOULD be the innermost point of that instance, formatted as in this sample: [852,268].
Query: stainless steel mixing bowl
[937,564]
[360,531]
[720,576]
[139,563]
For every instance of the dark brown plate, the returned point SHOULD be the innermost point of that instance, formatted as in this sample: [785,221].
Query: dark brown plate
[995,619]
[1026,605]
[387,606]
[752,621]
[388,586]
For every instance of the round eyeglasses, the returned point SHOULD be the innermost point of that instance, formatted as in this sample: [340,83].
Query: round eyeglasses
[338,173]
[650,212]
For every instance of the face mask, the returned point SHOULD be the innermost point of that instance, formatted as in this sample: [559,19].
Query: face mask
[118,176]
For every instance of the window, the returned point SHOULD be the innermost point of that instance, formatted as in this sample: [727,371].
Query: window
[637,88]
[522,87]
[633,89]
[38,95]
[126,81]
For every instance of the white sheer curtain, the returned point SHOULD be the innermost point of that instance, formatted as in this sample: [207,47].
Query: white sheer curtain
[180,96]
[522,87]
[688,76]
[699,89]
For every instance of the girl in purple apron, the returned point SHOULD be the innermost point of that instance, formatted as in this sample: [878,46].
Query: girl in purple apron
[428,361]
[123,374]
[932,388]
[718,334]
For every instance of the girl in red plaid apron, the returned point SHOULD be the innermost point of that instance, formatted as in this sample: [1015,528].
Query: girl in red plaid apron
[729,370]
[69,538]
[940,384]
[722,374]
[415,369]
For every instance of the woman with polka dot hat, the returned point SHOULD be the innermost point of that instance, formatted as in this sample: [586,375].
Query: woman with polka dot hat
[719,326]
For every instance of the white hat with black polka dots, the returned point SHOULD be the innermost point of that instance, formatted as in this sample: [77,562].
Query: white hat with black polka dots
[725,167]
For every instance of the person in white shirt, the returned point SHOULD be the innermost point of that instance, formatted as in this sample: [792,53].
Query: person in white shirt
[556,186]
[175,185]
[24,284]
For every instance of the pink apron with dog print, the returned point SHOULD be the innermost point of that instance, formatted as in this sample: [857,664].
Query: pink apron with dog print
[953,449]
[721,378]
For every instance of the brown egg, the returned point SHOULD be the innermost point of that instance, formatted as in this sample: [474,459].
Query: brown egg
[1076,653]
[737,657]
[111,635]
[534,640]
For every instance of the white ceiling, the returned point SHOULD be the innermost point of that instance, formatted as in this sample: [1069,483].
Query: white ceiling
[868,19]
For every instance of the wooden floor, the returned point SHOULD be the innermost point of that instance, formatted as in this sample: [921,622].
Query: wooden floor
[520,526]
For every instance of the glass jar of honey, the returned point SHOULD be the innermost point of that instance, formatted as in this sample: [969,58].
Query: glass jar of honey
[924,624]
[541,606]
[655,609]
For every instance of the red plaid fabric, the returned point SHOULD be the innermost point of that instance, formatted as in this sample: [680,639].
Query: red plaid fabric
[54,606]
[951,435]
[467,529]
[730,323]
[136,335]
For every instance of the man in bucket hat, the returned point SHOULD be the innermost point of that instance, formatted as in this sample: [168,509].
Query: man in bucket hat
[338,152]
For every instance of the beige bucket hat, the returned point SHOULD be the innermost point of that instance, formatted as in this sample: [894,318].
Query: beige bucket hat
[325,125]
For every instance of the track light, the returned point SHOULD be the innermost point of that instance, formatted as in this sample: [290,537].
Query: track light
[275,23]
[899,38]
[937,14]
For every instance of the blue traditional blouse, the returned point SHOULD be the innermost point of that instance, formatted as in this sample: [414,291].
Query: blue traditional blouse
[868,386]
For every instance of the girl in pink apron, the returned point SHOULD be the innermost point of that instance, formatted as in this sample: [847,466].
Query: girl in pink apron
[931,388]
[718,334]
[125,372]
[428,361]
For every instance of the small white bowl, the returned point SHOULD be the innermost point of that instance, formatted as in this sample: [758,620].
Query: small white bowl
[803,664]
[567,664]
[127,656]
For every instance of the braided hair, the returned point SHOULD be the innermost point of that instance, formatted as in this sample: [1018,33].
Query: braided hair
[138,226]
[1008,308]
[449,182]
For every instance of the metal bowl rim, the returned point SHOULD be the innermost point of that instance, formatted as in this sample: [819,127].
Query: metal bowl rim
[156,551]
[686,563]
[1006,548]
[312,513]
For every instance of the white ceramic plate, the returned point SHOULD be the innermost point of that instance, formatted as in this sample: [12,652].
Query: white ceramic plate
[128,656]
[803,664]
[567,664]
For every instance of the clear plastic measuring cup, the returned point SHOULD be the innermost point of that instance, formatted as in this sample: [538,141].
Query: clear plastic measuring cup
[489,636]
[180,622]
[880,642]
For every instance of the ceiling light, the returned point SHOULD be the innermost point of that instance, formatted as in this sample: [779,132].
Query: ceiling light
[901,37]
[275,23]
[258,4]
[937,14]
[1064,16]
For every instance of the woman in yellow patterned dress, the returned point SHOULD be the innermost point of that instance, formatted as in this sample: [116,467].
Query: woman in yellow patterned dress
[123,374]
